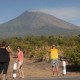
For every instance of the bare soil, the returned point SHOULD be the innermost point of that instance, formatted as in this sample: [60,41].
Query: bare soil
[38,69]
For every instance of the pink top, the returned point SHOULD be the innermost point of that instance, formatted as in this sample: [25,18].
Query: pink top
[20,56]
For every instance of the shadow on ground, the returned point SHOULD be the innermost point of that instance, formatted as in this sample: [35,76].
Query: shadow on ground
[73,68]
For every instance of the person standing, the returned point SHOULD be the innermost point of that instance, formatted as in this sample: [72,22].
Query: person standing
[20,62]
[4,58]
[54,59]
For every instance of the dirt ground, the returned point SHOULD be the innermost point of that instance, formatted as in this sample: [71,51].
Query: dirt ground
[38,69]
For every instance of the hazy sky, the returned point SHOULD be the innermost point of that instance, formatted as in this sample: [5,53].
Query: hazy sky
[68,10]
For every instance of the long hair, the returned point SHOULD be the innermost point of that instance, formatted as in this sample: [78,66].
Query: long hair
[19,47]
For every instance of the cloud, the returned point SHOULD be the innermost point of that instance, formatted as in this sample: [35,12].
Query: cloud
[68,14]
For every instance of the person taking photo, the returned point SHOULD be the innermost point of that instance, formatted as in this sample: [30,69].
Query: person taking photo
[4,59]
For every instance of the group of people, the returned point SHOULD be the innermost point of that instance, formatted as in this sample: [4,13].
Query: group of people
[5,59]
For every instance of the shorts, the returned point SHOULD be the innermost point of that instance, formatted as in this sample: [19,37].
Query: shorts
[20,64]
[55,63]
[4,67]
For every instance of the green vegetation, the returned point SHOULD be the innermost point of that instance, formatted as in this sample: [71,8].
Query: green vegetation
[39,46]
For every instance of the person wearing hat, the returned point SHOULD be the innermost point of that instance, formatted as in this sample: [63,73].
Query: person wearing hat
[54,59]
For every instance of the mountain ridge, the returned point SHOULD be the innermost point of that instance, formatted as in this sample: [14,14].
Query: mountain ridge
[37,23]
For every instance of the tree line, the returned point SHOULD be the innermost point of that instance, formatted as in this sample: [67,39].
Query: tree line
[39,46]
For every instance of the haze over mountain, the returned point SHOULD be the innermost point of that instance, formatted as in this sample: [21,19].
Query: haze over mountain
[37,23]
